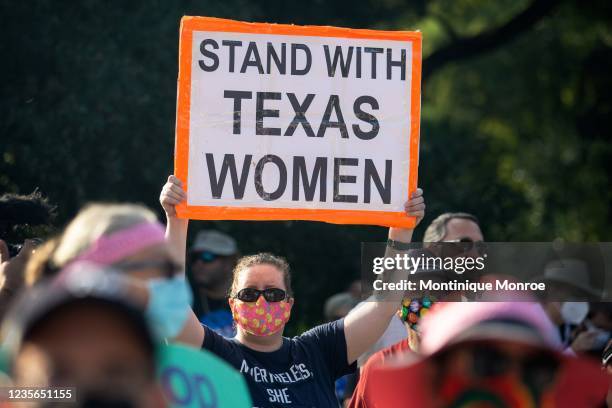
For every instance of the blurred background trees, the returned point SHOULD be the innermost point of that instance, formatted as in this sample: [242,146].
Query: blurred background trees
[517,107]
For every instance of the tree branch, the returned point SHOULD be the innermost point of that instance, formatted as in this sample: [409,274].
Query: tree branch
[446,25]
[486,41]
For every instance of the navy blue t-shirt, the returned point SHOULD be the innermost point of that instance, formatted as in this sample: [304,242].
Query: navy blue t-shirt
[300,374]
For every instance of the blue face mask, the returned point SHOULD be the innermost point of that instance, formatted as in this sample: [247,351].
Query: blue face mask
[168,306]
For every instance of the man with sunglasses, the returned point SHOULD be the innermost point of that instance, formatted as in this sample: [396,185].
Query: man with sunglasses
[461,235]
[212,258]
[456,235]
[454,227]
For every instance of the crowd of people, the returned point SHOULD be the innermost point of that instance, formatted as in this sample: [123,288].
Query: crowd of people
[91,307]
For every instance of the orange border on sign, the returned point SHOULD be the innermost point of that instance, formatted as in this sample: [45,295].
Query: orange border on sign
[383,218]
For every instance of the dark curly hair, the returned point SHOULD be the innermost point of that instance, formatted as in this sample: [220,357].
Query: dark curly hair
[23,211]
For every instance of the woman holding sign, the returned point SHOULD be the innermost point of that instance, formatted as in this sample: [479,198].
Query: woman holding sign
[281,371]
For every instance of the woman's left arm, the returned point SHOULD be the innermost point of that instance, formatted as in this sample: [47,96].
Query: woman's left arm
[366,324]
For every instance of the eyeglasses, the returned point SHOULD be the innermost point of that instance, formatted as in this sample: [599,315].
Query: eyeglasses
[538,369]
[169,268]
[455,247]
[252,294]
[204,256]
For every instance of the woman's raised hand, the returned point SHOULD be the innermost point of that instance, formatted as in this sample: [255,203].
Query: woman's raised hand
[171,195]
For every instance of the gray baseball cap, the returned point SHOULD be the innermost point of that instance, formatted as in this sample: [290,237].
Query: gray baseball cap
[338,302]
[216,242]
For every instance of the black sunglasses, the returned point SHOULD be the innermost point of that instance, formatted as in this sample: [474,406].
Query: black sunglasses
[169,268]
[538,370]
[456,247]
[252,294]
[204,256]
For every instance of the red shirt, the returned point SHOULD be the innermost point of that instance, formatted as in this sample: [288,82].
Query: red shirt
[361,398]
[580,383]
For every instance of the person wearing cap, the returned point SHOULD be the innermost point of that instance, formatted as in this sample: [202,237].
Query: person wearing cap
[569,280]
[82,331]
[129,238]
[484,354]
[339,305]
[595,331]
[212,258]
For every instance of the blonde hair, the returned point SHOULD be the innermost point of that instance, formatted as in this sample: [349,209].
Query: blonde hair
[263,258]
[93,222]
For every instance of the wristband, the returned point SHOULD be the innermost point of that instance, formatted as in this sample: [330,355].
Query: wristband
[400,246]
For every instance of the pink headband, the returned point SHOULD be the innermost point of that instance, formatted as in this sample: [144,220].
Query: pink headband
[111,248]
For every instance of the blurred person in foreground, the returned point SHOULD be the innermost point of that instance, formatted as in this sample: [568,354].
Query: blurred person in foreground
[82,331]
[128,238]
[212,258]
[487,354]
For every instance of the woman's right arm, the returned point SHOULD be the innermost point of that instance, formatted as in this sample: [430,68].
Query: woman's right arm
[176,235]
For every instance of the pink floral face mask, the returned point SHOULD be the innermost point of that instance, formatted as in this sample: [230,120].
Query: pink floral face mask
[261,318]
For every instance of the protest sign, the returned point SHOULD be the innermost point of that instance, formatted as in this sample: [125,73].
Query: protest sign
[283,122]
[196,378]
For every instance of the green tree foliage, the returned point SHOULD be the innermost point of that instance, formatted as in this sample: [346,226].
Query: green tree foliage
[516,115]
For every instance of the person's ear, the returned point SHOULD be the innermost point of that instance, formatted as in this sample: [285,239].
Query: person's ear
[290,301]
[231,300]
